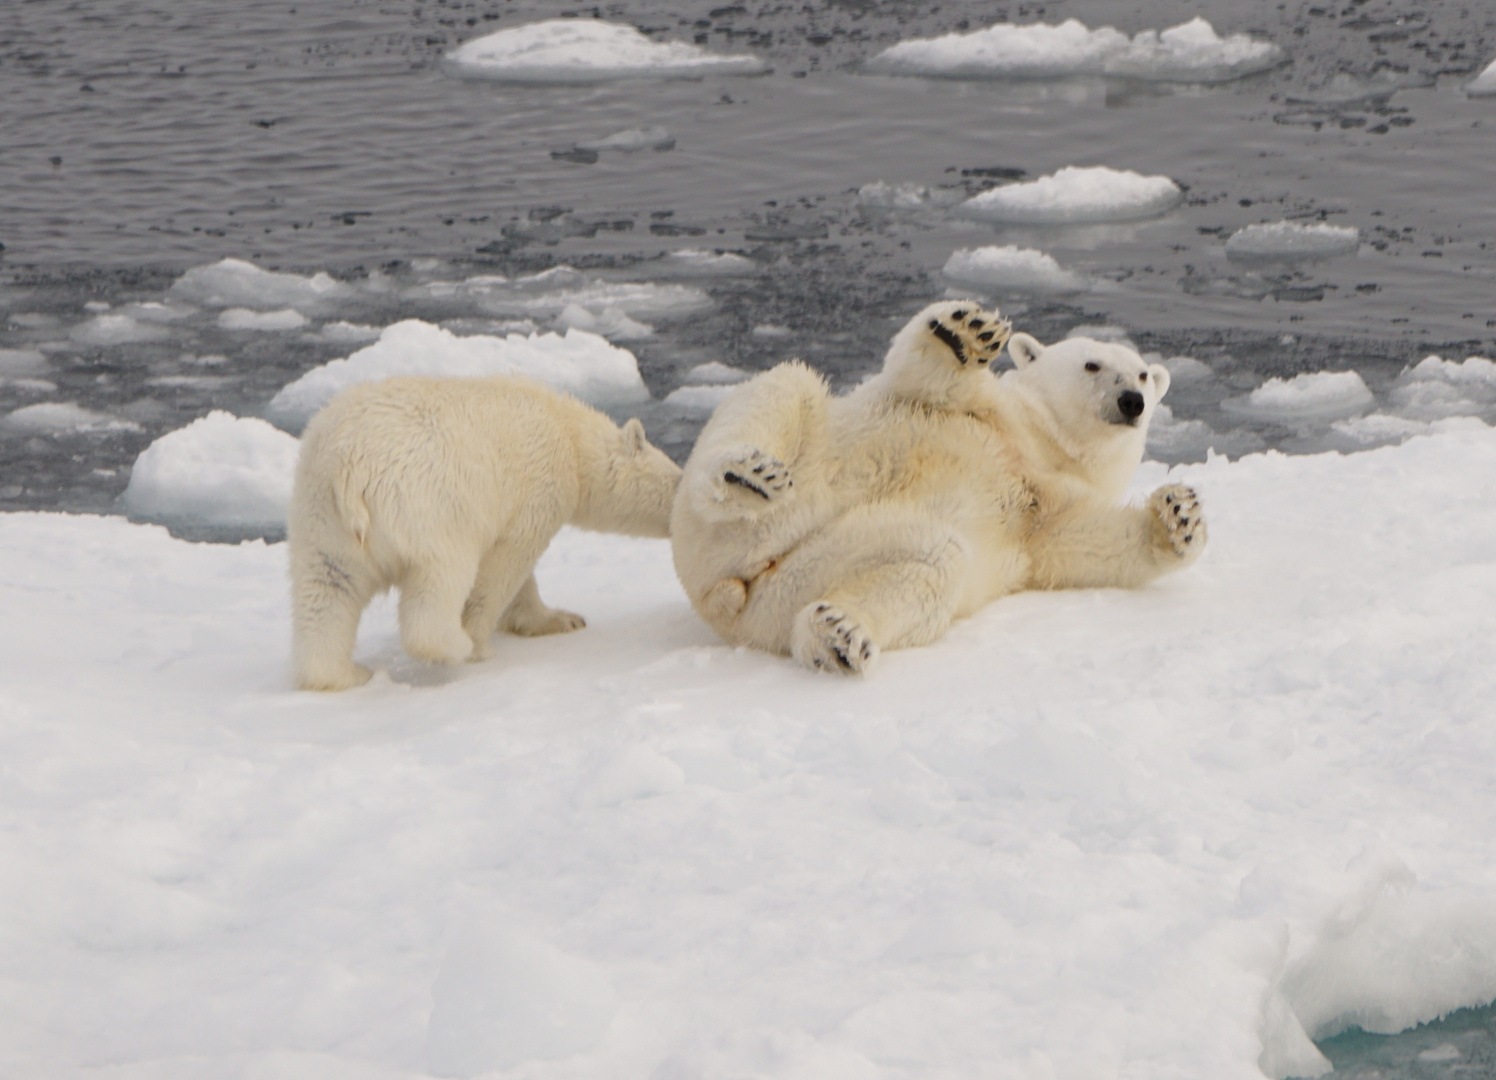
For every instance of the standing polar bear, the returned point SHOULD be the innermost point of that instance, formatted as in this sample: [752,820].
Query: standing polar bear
[831,528]
[451,489]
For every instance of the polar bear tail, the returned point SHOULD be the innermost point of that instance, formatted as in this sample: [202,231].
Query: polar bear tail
[348,496]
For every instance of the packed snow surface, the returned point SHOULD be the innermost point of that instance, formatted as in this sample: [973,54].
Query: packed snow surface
[578,362]
[1319,395]
[1289,239]
[1189,52]
[1484,84]
[587,51]
[1011,268]
[220,470]
[1077,195]
[1172,832]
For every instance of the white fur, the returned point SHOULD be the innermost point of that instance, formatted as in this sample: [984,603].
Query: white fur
[833,527]
[451,489]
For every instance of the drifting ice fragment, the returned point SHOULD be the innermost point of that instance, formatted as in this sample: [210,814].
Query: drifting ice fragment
[647,138]
[1076,196]
[64,417]
[116,329]
[1484,84]
[1011,268]
[587,51]
[245,319]
[236,283]
[1319,396]
[1288,240]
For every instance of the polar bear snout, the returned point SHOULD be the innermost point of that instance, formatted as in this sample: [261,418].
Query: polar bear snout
[1130,404]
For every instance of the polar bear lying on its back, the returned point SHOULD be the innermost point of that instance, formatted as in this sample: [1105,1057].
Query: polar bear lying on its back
[833,527]
[451,489]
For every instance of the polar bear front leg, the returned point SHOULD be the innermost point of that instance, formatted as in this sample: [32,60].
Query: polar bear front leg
[1121,548]
[972,336]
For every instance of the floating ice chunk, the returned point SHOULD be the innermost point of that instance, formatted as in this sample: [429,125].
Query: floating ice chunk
[1438,388]
[771,330]
[587,51]
[347,332]
[1193,52]
[219,470]
[578,363]
[502,998]
[546,295]
[1318,396]
[63,417]
[245,319]
[1189,52]
[1012,268]
[1290,240]
[153,312]
[695,261]
[114,328]
[1077,195]
[31,386]
[21,361]
[645,138]
[697,400]
[1484,84]
[610,323]
[1184,370]
[716,373]
[236,283]
[907,196]
[1378,429]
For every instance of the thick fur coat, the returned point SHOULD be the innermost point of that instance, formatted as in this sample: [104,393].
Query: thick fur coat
[831,528]
[450,490]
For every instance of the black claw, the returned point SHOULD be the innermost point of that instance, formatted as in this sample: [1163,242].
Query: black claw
[734,478]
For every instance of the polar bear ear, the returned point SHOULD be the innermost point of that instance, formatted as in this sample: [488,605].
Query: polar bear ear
[633,436]
[1159,376]
[1024,349]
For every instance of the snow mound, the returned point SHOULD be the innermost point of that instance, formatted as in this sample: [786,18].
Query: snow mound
[1289,239]
[1012,268]
[1318,396]
[632,140]
[1077,195]
[587,51]
[578,363]
[1189,52]
[62,418]
[1484,84]
[236,283]
[220,470]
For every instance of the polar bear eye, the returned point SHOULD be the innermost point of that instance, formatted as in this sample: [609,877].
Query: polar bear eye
[1143,377]
[1092,365]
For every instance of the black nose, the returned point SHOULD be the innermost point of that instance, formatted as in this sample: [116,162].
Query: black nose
[1131,404]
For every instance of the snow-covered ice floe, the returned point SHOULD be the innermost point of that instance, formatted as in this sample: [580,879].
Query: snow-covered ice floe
[587,51]
[220,472]
[577,362]
[1484,84]
[1318,396]
[1176,832]
[234,283]
[1189,52]
[1076,195]
[1291,240]
[1012,269]
[64,418]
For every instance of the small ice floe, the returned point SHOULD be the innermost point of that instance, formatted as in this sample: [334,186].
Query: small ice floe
[236,283]
[21,362]
[154,312]
[1317,397]
[544,296]
[1013,269]
[609,323]
[116,328]
[771,330]
[1190,52]
[587,51]
[64,418]
[1077,196]
[219,471]
[697,262]
[1484,84]
[578,363]
[696,400]
[346,333]
[716,373]
[907,196]
[1290,240]
[246,319]
[1436,388]
[1183,370]
[632,140]
[1174,440]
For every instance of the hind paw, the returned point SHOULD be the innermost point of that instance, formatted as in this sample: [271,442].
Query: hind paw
[756,475]
[826,638]
[1177,509]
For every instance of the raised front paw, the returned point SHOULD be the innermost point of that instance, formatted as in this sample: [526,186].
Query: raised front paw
[974,336]
[1177,508]
[756,474]
[826,638]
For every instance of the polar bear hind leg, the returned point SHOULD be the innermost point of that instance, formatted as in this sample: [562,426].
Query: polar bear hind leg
[528,615]
[328,596]
[432,596]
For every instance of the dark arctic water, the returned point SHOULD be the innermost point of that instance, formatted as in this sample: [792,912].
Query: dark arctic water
[139,138]
[1462,1046]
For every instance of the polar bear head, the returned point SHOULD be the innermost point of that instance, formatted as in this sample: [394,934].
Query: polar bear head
[629,483]
[1098,398]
